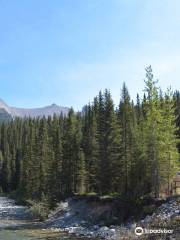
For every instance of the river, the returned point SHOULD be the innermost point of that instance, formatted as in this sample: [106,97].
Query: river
[16,224]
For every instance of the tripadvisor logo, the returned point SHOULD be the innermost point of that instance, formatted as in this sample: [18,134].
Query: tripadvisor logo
[139,231]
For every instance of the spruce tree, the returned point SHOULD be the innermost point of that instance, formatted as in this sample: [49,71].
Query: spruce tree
[169,155]
[125,117]
[90,148]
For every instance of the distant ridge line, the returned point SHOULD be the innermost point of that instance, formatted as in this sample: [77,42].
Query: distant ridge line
[33,112]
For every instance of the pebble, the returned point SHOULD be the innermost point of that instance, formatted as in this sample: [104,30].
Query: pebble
[80,227]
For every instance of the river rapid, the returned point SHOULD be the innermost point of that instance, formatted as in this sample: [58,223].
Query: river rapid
[16,223]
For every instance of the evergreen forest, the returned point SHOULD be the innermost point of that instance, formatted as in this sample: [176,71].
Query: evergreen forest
[129,151]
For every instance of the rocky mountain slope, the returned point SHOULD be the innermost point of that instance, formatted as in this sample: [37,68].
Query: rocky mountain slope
[7,112]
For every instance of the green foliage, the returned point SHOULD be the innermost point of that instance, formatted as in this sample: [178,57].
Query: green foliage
[39,210]
[160,136]
[126,152]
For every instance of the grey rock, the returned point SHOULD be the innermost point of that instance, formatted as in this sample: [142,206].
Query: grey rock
[32,112]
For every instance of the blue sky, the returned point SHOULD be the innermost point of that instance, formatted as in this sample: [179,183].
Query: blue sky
[65,51]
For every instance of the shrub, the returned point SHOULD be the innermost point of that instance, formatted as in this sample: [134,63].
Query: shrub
[39,210]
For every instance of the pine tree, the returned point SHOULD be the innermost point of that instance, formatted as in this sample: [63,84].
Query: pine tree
[112,146]
[153,121]
[79,159]
[169,154]
[56,175]
[125,116]
[68,154]
[100,109]
[6,170]
[45,156]
[90,148]
[161,140]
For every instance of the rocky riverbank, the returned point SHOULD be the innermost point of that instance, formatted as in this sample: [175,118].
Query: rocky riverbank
[17,223]
[89,219]
[84,217]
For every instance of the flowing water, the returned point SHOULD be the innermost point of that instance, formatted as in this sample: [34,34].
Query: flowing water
[16,224]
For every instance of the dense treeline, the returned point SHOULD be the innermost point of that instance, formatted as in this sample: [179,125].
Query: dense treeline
[130,150]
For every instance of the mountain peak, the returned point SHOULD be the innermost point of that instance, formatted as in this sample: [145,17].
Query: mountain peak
[34,112]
